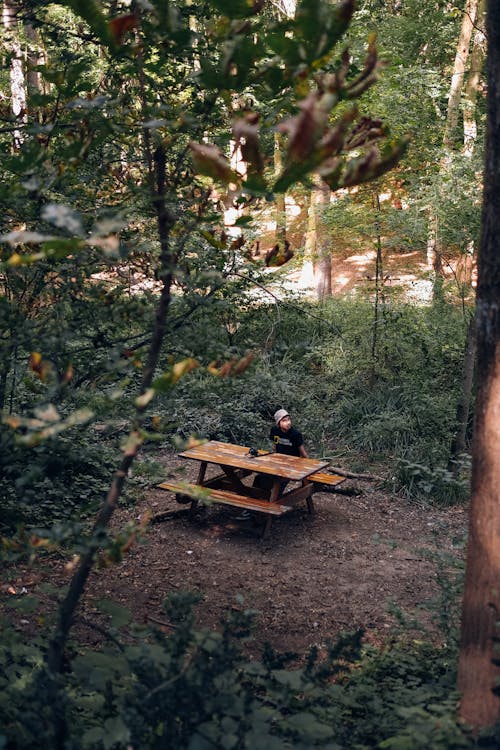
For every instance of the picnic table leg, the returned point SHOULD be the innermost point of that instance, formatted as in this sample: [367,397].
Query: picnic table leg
[275,490]
[267,526]
[235,480]
[201,477]
[201,472]
[309,498]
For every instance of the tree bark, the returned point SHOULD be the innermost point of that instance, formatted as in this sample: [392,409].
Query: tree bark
[450,137]
[17,78]
[322,256]
[479,664]
[458,444]
[34,57]
[477,56]
[457,78]
[280,198]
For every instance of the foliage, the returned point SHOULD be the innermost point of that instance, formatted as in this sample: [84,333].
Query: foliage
[397,409]
[54,483]
[112,245]
[192,688]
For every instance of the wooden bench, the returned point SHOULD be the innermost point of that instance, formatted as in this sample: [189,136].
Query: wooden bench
[323,477]
[198,493]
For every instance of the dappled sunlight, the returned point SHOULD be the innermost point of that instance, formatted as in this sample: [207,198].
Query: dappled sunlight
[342,280]
[361,260]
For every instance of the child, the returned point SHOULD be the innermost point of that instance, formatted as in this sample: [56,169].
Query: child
[286,438]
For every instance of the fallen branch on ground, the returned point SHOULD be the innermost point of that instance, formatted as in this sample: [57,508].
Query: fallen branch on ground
[167,515]
[164,623]
[352,475]
[351,491]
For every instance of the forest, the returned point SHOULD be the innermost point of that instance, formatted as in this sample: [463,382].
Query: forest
[213,210]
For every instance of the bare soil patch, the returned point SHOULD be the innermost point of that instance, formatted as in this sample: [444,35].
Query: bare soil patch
[314,577]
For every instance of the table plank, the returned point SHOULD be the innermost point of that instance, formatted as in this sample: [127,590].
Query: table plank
[226,498]
[277,464]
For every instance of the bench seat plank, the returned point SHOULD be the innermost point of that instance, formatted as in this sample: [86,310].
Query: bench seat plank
[322,477]
[198,492]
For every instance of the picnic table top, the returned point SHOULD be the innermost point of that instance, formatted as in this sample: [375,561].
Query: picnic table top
[237,456]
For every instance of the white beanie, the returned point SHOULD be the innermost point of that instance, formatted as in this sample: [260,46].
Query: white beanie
[280,414]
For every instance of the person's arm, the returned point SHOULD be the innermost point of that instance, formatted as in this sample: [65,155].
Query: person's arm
[303,452]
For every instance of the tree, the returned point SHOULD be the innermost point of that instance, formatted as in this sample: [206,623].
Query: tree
[458,73]
[17,73]
[473,80]
[479,665]
[129,131]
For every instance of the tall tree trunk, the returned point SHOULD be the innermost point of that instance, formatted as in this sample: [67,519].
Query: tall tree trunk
[34,58]
[479,664]
[317,267]
[450,136]
[457,78]
[465,266]
[307,272]
[477,56]
[280,203]
[322,256]
[17,79]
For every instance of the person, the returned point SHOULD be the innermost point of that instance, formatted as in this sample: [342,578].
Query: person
[285,437]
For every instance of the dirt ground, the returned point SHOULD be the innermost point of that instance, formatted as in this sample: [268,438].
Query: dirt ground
[313,577]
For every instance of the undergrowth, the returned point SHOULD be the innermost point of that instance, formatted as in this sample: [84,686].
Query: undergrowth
[195,689]
[392,406]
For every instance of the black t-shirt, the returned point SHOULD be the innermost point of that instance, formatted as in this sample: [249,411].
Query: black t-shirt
[286,442]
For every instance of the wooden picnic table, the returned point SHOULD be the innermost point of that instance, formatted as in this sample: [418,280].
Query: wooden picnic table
[237,463]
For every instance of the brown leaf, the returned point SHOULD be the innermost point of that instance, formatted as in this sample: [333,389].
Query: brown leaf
[304,130]
[39,366]
[120,25]
[243,364]
[279,254]
[210,161]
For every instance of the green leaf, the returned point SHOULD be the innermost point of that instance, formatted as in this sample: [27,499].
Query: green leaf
[90,11]
[59,249]
[238,8]
[243,221]
[120,616]
[320,25]
[24,603]
[291,679]
[117,733]
[309,728]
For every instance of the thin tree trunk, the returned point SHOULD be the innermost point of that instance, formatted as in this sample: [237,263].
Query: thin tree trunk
[379,282]
[35,58]
[466,262]
[66,613]
[479,663]
[450,137]
[322,256]
[156,171]
[457,78]
[280,201]
[17,79]
[477,56]
[307,271]
[458,444]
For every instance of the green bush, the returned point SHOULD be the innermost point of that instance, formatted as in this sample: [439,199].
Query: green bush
[395,408]
[195,689]
[53,482]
